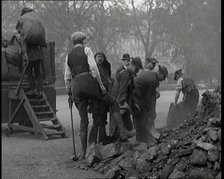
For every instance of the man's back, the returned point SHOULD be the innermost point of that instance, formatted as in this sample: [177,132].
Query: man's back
[145,79]
[145,86]
[118,71]
[125,85]
[188,84]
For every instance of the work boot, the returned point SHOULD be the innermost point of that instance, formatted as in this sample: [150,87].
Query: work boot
[93,134]
[124,133]
[83,137]
[103,136]
[152,129]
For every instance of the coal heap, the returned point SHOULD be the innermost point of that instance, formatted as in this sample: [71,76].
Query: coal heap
[192,150]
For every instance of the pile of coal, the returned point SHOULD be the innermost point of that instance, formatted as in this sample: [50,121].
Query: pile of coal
[192,150]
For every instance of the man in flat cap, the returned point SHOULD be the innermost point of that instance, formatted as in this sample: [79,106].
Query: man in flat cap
[146,84]
[83,81]
[151,63]
[99,108]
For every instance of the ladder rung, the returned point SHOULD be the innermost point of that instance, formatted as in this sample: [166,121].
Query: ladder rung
[44,112]
[47,119]
[36,100]
[29,93]
[40,106]
[55,133]
[56,126]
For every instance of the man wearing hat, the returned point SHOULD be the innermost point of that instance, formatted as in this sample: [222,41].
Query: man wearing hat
[151,63]
[146,84]
[125,60]
[125,87]
[99,108]
[83,81]
[32,54]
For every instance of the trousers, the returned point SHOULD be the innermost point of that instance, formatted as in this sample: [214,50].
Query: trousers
[141,121]
[34,75]
[85,87]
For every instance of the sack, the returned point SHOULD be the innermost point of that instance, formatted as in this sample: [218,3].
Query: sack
[13,52]
[32,30]
[9,72]
[4,65]
[176,115]
[14,72]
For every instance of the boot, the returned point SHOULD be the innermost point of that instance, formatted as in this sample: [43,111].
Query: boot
[103,136]
[152,129]
[83,137]
[93,134]
[124,133]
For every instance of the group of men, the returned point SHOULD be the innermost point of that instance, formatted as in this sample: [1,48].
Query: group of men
[130,97]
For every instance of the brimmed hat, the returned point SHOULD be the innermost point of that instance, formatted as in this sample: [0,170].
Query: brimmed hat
[78,37]
[126,56]
[152,60]
[164,70]
[137,62]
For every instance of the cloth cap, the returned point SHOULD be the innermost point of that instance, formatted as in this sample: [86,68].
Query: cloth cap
[152,60]
[178,72]
[137,62]
[126,56]
[26,10]
[78,37]
[164,70]
[100,53]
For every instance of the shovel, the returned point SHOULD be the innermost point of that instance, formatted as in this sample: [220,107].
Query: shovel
[74,156]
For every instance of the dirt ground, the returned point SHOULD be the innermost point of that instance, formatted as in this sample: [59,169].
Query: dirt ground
[28,156]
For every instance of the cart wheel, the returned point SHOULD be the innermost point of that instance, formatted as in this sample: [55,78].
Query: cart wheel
[8,131]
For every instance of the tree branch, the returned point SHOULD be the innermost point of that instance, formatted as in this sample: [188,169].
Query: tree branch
[136,22]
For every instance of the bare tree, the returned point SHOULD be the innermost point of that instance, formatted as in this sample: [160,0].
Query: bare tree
[147,24]
[105,25]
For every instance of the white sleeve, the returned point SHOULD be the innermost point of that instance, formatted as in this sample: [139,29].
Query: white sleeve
[93,66]
[92,63]
[179,84]
[67,75]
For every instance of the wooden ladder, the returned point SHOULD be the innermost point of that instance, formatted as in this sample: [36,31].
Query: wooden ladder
[41,117]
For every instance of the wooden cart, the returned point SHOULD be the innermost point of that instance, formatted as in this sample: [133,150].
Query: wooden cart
[27,112]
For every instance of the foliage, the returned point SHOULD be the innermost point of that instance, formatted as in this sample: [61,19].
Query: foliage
[195,27]
[180,33]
